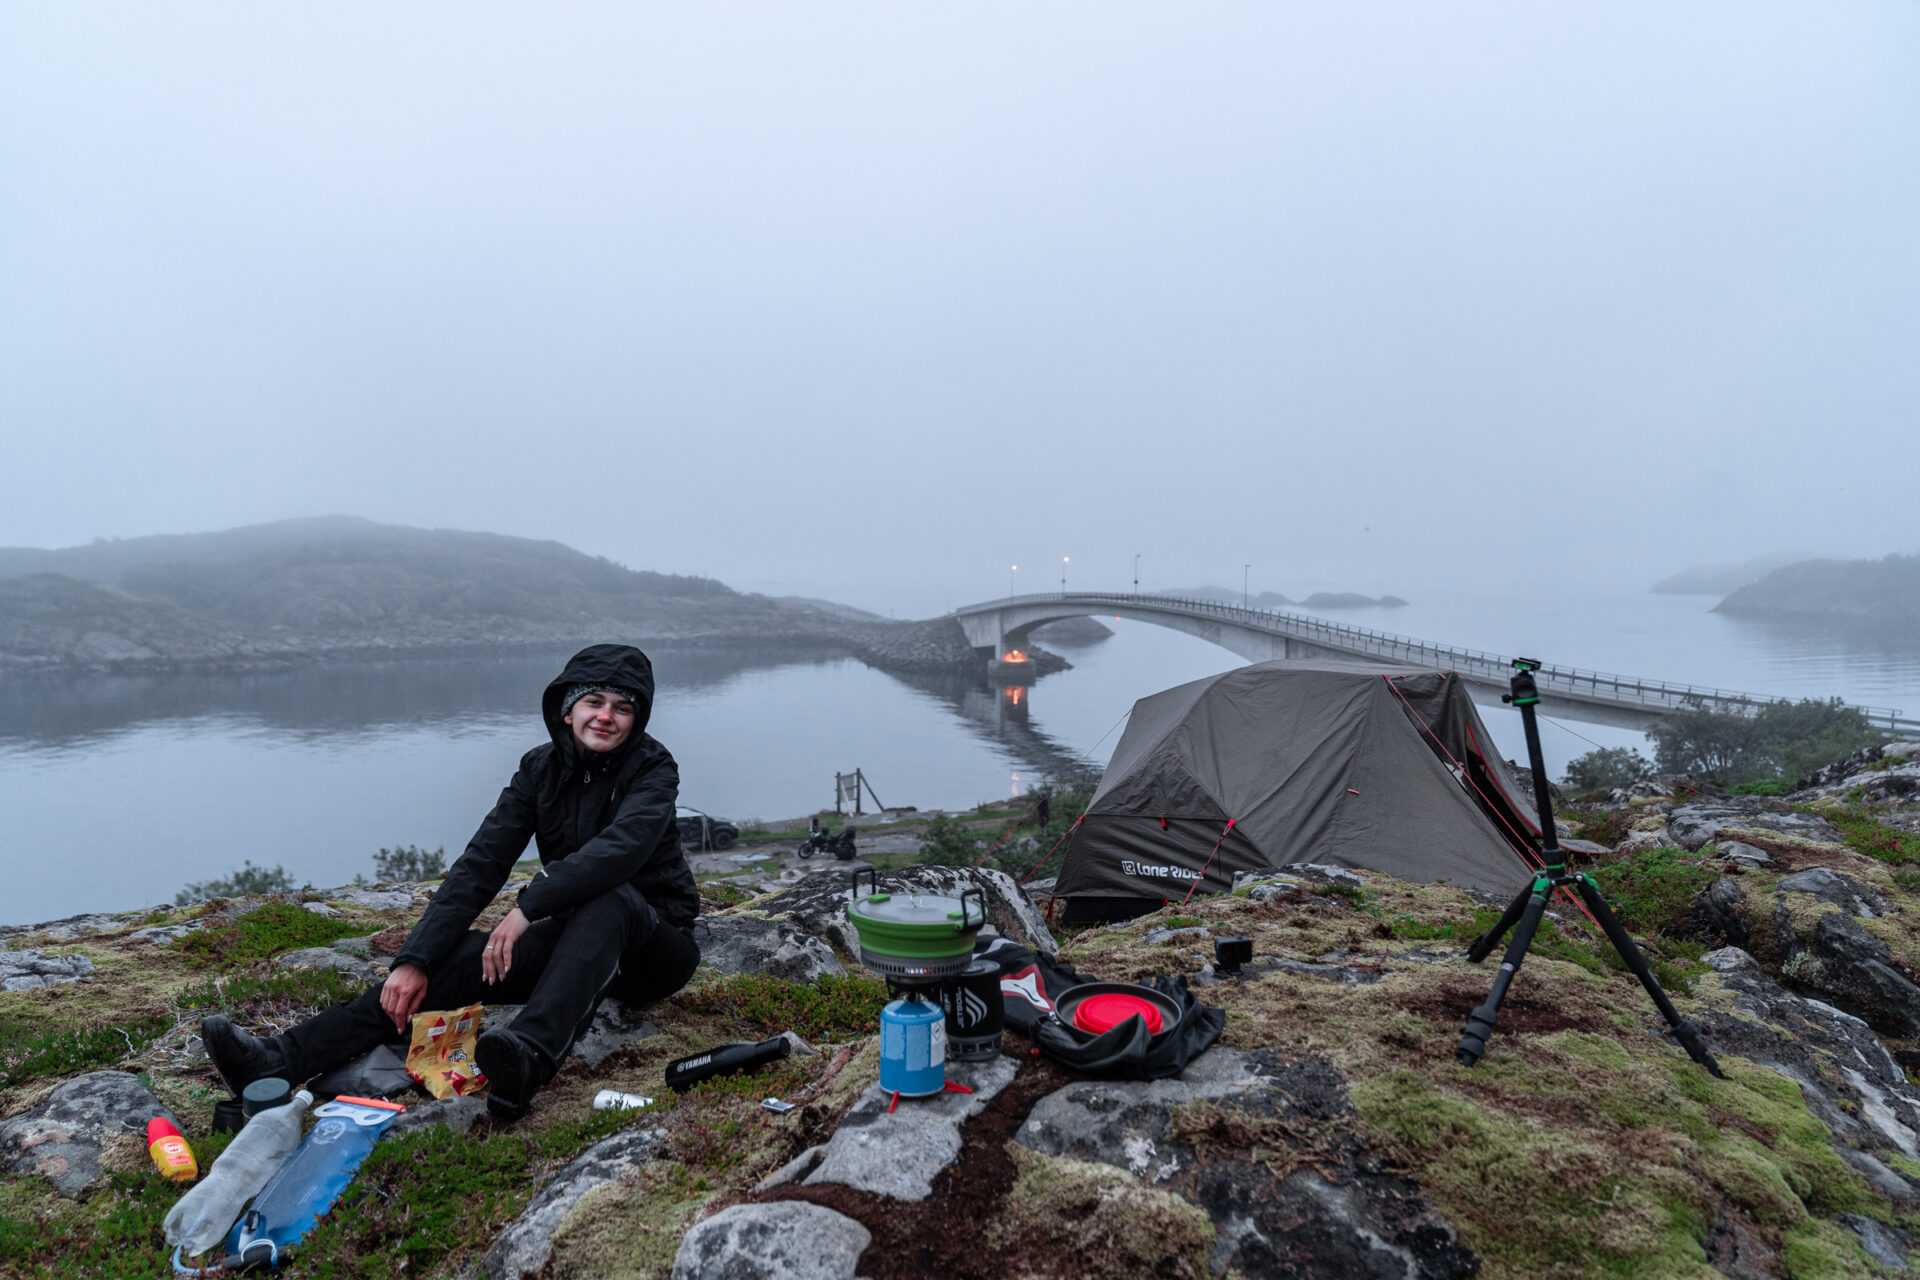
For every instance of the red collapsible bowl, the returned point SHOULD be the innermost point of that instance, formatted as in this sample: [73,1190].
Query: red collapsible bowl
[1095,1007]
[1105,1012]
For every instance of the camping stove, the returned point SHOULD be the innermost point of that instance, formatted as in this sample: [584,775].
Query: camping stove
[916,941]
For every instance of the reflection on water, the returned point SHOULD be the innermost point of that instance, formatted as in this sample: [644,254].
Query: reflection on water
[339,700]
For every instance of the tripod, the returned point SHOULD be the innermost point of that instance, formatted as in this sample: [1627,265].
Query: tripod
[1524,912]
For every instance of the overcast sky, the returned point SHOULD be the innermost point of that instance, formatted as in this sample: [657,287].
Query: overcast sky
[874,301]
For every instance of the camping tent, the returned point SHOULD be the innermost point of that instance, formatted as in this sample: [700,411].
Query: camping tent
[1345,764]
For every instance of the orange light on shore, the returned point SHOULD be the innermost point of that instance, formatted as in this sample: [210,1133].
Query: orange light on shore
[1014,655]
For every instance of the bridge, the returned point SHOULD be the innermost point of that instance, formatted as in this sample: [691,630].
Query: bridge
[1004,628]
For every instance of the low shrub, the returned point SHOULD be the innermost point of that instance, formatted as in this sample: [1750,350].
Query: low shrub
[1602,826]
[1864,834]
[830,1008]
[1605,768]
[248,882]
[29,1051]
[1651,890]
[406,863]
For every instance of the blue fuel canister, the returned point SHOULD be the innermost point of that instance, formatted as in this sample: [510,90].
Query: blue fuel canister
[913,1047]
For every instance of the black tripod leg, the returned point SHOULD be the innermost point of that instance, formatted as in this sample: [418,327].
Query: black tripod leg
[1484,944]
[1684,1031]
[1480,1021]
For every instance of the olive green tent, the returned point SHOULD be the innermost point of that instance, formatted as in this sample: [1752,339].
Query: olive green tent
[1388,769]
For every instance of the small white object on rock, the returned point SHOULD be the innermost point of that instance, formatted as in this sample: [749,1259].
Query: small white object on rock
[780,1240]
[320,908]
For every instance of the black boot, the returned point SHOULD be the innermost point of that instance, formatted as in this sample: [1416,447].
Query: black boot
[514,1071]
[240,1058]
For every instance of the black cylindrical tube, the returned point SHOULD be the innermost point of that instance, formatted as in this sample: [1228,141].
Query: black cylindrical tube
[684,1073]
[975,1016]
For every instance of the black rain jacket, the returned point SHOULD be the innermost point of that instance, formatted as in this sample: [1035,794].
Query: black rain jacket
[600,820]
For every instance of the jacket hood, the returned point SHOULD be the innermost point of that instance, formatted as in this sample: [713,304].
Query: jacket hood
[617,664]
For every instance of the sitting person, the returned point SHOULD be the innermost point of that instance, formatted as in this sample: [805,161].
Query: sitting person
[609,911]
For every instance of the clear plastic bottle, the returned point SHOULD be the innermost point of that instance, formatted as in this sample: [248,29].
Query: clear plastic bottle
[201,1218]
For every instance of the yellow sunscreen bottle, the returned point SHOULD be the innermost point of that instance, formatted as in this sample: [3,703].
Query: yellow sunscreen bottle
[171,1154]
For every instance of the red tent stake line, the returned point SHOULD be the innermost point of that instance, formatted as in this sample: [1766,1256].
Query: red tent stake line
[1209,862]
[1529,854]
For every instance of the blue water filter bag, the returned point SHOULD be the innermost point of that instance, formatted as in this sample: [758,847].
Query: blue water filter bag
[304,1188]
[913,1047]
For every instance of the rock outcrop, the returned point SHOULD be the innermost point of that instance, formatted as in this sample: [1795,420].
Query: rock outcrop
[62,1138]
[1203,1135]
[524,1248]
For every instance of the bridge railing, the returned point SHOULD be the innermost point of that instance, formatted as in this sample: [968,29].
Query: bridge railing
[1598,686]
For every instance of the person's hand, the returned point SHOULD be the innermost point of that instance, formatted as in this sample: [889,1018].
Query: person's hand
[400,998]
[497,959]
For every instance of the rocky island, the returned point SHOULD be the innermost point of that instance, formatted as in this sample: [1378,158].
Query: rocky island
[341,588]
[1843,592]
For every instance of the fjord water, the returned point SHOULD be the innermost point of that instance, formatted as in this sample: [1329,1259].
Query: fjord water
[118,790]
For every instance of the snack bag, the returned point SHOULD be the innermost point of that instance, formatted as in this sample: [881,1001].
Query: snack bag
[441,1055]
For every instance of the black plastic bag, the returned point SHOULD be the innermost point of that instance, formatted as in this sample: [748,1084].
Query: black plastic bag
[1030,985]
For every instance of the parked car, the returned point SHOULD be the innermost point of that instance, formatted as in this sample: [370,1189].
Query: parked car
[702,831]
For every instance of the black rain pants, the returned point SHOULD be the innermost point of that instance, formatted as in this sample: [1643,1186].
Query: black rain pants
[562,966]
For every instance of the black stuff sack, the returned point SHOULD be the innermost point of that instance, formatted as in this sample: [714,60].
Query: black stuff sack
[1031,983]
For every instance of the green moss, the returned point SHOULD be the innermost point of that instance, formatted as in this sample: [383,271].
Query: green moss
[262,934]
[1822,1250]
[628,1229]
[1115,1227]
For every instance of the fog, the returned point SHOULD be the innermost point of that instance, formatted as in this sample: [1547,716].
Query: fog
[875,301]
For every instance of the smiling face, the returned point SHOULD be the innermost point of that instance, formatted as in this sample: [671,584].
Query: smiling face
[600,721]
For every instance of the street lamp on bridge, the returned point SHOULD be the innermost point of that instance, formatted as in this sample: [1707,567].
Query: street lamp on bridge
[1245,569]
[1063,575]
[1136,573]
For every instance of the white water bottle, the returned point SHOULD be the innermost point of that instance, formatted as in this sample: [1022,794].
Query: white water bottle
[202,1217]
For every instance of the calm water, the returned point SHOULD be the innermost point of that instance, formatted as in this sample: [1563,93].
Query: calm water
[118,791]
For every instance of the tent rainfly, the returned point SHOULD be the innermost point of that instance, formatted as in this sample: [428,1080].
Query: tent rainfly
[1388,769]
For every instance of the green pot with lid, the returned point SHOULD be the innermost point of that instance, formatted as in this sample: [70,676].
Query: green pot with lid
[915,937]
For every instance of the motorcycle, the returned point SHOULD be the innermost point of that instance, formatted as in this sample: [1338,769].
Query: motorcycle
[821,840]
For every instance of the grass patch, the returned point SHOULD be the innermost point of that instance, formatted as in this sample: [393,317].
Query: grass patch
[262,934]
[1455,929]
[828,1009]
[1764,787]
[1864,834]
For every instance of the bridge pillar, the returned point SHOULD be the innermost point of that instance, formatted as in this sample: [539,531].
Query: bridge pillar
[1010,665]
